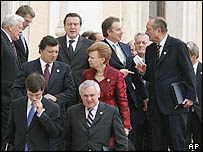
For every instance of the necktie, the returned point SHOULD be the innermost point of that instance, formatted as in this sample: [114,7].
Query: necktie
[90,118]
[29,119]
[14,48]
[158,52]
[70,48]
[46,75]
[118,54]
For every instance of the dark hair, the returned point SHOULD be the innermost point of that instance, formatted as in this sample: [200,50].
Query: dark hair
[160,22]
[72,15]
[107,24]
[103,50]
[92,36]
[24,10]
[86,34]
[35,82]
[48,40]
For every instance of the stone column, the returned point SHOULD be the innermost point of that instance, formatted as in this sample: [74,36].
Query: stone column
[135,15]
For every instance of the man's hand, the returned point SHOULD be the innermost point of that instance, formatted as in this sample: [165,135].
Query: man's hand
[38,106]
[50,97]
[126,72]
[126,131]
[141,67]
[145,104]
[187,103]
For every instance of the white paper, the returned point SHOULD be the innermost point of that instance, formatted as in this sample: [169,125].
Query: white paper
[137,59]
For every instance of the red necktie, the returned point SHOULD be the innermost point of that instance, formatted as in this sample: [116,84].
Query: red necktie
[46,75]
[14,48]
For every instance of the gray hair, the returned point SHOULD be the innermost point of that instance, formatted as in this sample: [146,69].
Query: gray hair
[140,34]
[89,83]
[11,19]
[160,22]
[193,48]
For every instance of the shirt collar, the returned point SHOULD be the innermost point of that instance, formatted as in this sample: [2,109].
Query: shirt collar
[43,64]
[7,35]
[95,108]
[111,43]
[162,43]
[195,65]
[76,38]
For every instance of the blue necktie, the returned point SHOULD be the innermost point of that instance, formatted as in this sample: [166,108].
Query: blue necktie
[29,119]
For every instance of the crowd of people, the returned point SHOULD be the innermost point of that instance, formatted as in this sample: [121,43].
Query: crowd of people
[85,92]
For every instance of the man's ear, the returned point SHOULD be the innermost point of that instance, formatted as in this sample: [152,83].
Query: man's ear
[109,32]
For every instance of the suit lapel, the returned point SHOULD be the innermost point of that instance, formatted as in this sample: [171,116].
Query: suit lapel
[55,70]
[165,50]
[79,45]
[99,113]
[64,46]
[83,116]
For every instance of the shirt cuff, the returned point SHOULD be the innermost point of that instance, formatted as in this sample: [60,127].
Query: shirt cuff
[41,112]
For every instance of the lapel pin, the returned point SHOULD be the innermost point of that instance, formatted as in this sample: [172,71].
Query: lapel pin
[101,113]
[108,80]
[165,53]
[57,70]
[201,72]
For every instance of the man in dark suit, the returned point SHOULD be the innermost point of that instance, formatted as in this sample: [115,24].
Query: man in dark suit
[167,61]
[121,59]
[73,52]
[90,125]
[32,136]
[10,30]
[195,113]
[60,88]
[28,14]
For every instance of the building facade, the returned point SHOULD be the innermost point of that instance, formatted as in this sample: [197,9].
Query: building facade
[184,18]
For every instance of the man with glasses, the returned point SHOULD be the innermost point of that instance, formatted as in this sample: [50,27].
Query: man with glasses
[60,87]
[33,136]
[22,49]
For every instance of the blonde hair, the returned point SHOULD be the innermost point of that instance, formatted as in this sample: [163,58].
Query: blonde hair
[103,50]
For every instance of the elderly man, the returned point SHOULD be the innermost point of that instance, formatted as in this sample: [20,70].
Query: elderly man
[167,61]
[89,125]
[11,28]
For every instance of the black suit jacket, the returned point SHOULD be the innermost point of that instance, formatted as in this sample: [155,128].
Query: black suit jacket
[198,107]
[130,80]
[174,65]
[60,84]
[9,69]
[22,56]
[40,130]
[78,136]
[79,61]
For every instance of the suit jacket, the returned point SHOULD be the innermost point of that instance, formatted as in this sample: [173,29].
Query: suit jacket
[40,130]
[60,85]
[174,65]
[9,69]
[78,136]
[23,57]
[113,90]
[79,61]
[198,107]
[130,80]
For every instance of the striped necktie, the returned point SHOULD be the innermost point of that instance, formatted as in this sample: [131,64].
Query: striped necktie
[90,117]
[158,52]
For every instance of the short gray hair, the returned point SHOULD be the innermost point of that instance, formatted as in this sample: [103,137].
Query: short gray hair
[89,83]
[11,19]
[138,34]
[193,48]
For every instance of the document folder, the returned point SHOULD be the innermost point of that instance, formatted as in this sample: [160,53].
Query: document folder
[178,92]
